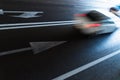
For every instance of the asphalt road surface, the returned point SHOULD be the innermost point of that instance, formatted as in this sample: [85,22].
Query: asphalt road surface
[80,58]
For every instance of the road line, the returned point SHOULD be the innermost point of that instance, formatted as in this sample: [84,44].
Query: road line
[36,23]
[15,51]
[34,26]
[84,67]
[21,11]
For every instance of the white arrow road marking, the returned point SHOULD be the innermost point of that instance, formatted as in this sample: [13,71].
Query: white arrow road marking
[25,14]
[15,51]
[28,15]
[84,67]
[42,46]
[1,12]
[37,47]
[22,11]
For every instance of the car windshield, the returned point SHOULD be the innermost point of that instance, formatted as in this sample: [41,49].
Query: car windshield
[96,16]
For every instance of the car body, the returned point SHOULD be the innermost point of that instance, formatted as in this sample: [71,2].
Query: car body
[95,22]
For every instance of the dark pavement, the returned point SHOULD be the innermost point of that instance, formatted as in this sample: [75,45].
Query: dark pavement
[64,58]
[47,65]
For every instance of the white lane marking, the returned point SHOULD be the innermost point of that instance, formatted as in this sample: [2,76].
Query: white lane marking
[15,51]
[34,26]
[36,23]
[84,67]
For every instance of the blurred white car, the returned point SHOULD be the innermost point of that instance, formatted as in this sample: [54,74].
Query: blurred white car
[95,22]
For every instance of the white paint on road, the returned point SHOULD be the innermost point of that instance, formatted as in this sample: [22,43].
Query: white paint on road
[42,46]
[24,14]
[15,51]
[28,15]
[36,23]
[86,66]
[21,11]
[35,26]
[1,12]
